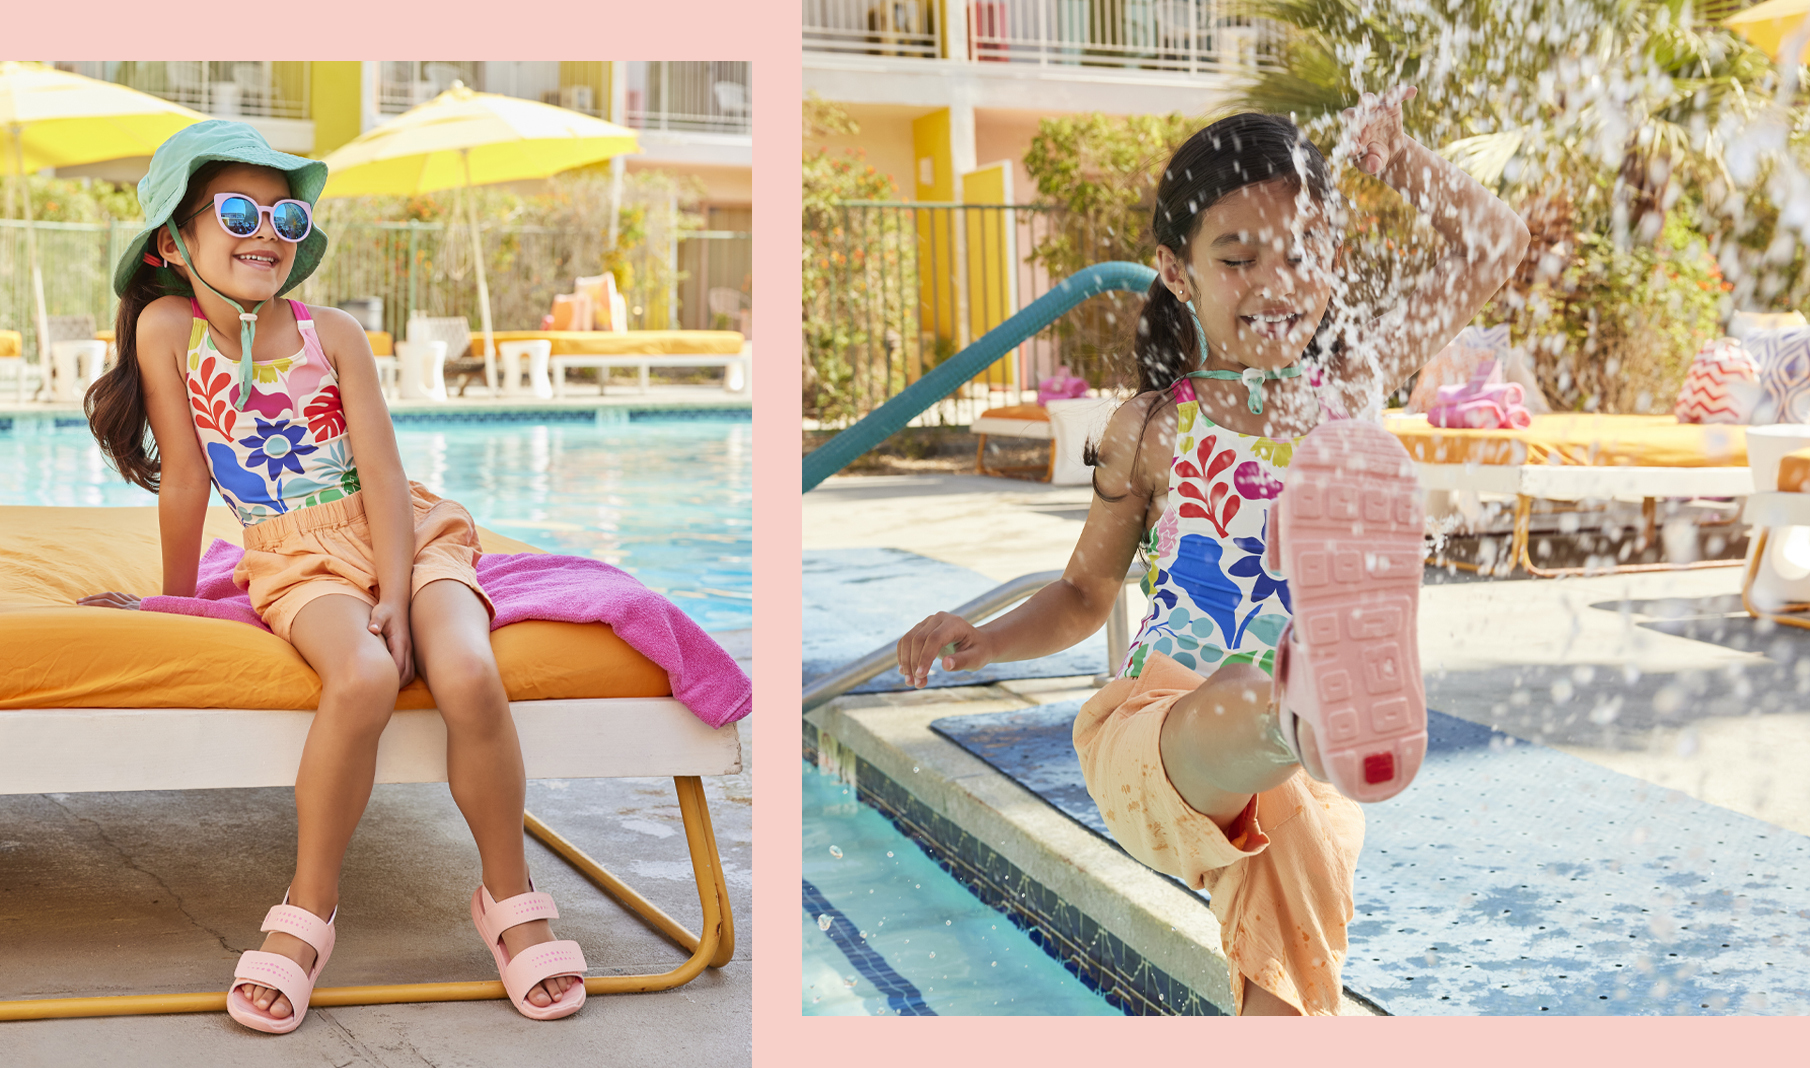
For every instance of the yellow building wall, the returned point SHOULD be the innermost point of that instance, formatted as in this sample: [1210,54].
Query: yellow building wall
[933,179]
[335,90]
[992,261]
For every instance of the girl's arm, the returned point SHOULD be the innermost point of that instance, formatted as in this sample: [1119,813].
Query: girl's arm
[387,505]
[183,481]
[1485,242]
[1073,607]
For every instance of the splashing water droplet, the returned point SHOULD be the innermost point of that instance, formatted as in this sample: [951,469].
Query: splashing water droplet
[836,851]
[889,852]
[824,921]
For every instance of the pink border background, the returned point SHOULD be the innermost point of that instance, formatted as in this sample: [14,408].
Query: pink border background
[767,33]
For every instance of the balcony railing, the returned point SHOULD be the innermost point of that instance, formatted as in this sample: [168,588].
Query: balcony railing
[873,27]
[713,97]
[700,97]
[1161,35]
[230,89]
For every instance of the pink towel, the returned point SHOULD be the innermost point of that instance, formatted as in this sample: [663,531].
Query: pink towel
[564,589]
[1486,402]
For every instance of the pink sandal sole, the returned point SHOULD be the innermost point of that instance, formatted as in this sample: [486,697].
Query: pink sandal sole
[1350,534]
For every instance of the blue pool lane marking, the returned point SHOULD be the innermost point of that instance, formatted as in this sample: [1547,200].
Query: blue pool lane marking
[856,600]
[1512,878]
[901,996]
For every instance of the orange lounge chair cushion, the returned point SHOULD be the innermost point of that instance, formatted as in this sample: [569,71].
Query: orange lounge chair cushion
[629,343]
[1794,472]
[12,343]
[1030,413]
[382,344]
[62,656]
[1578,438]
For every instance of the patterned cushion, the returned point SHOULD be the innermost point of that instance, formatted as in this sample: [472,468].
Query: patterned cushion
[1722,385]
[1783,360]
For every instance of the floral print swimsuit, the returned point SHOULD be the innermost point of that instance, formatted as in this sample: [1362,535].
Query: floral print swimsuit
[286,447]
[1213,600]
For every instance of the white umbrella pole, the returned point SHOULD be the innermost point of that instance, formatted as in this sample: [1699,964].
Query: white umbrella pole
[477,254]
[37,275]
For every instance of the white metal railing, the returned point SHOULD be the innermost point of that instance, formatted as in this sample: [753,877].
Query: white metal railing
[229,89]
[701,97]
[873,27]
[404,83]
[1165,35]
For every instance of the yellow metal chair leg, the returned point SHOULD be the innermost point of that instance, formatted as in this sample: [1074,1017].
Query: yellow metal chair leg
[1753,571]
[714,948]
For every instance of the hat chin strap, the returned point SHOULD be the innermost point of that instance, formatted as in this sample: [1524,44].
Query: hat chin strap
[248,320]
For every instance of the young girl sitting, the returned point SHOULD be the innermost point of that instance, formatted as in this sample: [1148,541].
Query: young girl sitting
[371,577]
[1281,540]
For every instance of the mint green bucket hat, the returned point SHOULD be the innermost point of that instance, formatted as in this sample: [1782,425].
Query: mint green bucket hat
[162,188]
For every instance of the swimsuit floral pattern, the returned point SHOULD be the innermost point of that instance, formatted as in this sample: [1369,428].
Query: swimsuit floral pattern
[1213,599]
[286,447]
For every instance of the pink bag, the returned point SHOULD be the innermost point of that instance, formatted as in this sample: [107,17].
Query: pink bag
[1061,386]
[1484,403]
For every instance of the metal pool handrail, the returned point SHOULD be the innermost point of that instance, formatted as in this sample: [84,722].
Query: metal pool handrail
[994,601]
[890,418]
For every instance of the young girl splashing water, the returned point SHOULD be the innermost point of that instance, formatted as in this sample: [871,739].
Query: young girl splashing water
[371,577]
[1282,540]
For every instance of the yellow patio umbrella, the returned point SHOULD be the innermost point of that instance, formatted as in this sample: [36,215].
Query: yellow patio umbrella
[54,118]
[1774,25]
[463,138]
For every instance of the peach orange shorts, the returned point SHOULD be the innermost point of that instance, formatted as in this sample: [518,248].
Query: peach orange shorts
[1280,876]
[311,552]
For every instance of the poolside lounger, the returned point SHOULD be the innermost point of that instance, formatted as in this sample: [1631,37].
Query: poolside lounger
[642,349]
[104,700]
[1574,457]
[1065,424]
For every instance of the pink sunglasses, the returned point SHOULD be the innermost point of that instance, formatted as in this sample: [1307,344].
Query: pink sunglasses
[241,216]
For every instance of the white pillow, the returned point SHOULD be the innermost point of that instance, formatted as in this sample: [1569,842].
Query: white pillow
[1783,360]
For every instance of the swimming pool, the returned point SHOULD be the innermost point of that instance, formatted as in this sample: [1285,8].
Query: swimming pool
[669,500]
[888,932]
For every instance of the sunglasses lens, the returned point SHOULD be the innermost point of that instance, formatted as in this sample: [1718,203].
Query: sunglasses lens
[239,215]
[291,221]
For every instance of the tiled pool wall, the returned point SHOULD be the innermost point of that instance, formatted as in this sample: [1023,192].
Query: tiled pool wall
[1094,955]
[607,415]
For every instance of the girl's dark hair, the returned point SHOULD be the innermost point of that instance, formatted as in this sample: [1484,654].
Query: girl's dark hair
[1221,159]
[116,402]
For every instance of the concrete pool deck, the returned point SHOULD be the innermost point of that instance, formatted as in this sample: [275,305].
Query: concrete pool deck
[158,892]
[1660,676]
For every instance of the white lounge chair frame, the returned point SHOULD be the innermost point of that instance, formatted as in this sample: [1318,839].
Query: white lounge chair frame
[737,368]
[74,750]
[1573,482]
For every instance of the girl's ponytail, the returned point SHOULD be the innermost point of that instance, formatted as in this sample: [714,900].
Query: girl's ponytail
[116,402]
[1165,346]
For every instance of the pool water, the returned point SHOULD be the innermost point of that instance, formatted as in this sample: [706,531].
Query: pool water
[669,501]
[887,932]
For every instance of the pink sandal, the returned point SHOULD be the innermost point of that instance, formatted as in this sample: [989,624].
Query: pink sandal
[537,963]
[279,972]
[1349,537]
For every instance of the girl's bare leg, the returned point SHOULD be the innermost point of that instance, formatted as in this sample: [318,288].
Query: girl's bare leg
[358,693]
[483,755]
[1220,745]
[1260,1002]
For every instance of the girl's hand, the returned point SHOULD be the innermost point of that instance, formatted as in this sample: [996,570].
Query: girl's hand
[1373,133]
[391,623]
[951,637]
[110,600]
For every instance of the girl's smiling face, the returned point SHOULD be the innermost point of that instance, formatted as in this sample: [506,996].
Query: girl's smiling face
[1260,274]
[247,269]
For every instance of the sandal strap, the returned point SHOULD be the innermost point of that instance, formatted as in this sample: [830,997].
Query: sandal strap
[275,970]
[499,916]
[305,925]
[543,961]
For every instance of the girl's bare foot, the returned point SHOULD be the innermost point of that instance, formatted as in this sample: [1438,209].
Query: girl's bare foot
[268,998]
[533,933]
